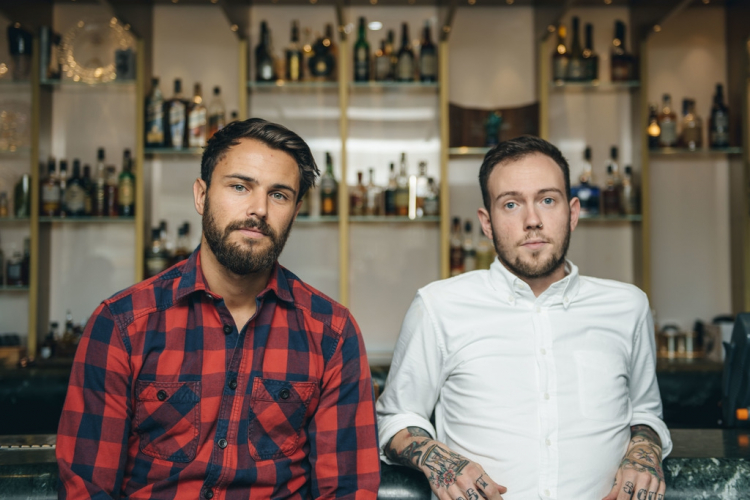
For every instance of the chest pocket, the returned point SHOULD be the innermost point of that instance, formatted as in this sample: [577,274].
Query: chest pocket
[167,419]
[278,409]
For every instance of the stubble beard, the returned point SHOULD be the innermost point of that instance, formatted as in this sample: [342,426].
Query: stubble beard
[238,260]
[533,269]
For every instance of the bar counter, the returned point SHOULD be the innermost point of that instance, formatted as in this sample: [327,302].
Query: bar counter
[705,463]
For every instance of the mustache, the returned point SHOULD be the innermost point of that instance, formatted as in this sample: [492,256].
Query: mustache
[257,224]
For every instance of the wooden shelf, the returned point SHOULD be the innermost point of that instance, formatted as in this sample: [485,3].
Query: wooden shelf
[695,152]
[14,220]
[173,151]
[393,218]
[611,218]
[283,86]
[87,220]
[12,289]
[466,151]
[306,219]
[595,85]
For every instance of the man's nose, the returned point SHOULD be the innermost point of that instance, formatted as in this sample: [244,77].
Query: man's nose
[533,221]
[257,204]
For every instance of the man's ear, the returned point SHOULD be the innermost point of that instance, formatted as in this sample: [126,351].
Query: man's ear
[486,224]
[575,212]
[199,195]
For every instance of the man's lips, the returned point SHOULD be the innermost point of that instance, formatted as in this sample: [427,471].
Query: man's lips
[252,232]
[534,244]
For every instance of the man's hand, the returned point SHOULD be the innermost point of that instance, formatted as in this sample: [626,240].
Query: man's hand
[640,475]
[451,476]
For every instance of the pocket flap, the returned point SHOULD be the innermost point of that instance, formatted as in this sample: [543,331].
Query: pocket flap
[282,391]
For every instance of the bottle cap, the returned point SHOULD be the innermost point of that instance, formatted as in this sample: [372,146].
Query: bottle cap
[628,170]
[587,153]
[177,86]
[613,152]
[217,90]
[100,154]
[467,226]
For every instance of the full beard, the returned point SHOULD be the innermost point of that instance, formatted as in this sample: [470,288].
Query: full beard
[534,269]
[239,260]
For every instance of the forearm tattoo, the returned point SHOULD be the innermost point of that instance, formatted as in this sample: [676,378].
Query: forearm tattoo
[411,455]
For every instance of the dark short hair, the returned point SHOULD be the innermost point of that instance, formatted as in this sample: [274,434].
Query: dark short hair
[517,149]
[273,135]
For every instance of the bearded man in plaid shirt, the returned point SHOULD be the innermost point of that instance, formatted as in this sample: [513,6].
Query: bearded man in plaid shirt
[225,376]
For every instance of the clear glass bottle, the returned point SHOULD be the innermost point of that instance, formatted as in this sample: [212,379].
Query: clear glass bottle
[390,191]
[373,196]
[427,56]
[718,132]
[405,64]
[432,200]
[264,65]
[456,249]
[667,123]
[469,250]
[157,259]
[217,113]
[22,197]
[14,269]
[155,116]
[50,195]
[99,187]
[294,64]
[329,190]
[576,64]
[630,196]
[197,119]
[692,126]
[111,203]
[485,252]
[75,194]
[422,190]
[653,129]
[357,196]
[402,189]
[382,64]
[175,117]
[126,187]
[62,180]
[362,54]
[560,57]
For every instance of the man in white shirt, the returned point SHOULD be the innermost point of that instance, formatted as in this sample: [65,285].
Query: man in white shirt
[539,378]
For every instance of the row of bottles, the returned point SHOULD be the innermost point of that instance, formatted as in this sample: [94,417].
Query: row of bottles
[161,254]
[619,196]
[405,195]
[21,199]
[181,123]
[15,271]
[62,345]
[663,130]
[303,60]
[467,254]
[106,194]
[580,63]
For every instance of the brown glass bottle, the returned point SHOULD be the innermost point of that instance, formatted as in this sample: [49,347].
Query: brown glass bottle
[50,195]
[111,208]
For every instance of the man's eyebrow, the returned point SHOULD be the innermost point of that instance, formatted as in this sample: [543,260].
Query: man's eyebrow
[549,190]
[252,180]
[517,193]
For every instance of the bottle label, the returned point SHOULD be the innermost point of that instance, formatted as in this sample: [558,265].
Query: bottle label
[155,265]
[155,123]
[125,192]
[428,65]
[668,135]
[177,123]
[50,198]
[197,128]
[402,200]
[390,202]
[293,68]
[576,69]
[382,68]
[75,200]
[360,63]
[431,206]
[559,68]
[328,205]
[405,68]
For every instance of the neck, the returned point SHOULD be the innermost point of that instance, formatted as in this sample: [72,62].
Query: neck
[540,285]
[238,291]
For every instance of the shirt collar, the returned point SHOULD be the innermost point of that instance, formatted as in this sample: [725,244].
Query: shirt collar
[192,280]
[509,285]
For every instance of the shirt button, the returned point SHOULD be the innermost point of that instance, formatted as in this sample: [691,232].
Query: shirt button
[546,493]
[548,443]
[538,309]
[284,394]
[546,395]
[161,395]
[222,443]
[233,384]
[208,494]
[209,296]
[543,351]
[227,329]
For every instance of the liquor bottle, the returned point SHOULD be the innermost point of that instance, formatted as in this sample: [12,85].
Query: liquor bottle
[692,126]
[402,189]
[432,200]
[653,130]
[588,193]
[14,269]
[469,251]
[329,41]
[26,261]
[306,46]
[50,192]
[390,192]
[590,58]
[157,259]
[175,118]
[362,54]
[622,63]
[3,204]
[576,64]
[629,193]
[126,187]
[560,57]
[197,120]
[329,190]
[62,180]
[373,196]
[2,267]
[111,203]
[166,245]
[182,247]
[305,206]
[382,64]
[22,197]
[155,116]
[357,197]
[322,63]
[456,249]
[294,64]
[405,64]
[427,57]
[217,115]
[612,194]
[667,123]
[264,67]
[75,195]
[718,131]
[99,187]
[390,50]
[88,190]
[422,190]
[485,252]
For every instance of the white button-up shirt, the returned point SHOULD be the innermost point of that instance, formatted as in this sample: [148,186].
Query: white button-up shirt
[540,391]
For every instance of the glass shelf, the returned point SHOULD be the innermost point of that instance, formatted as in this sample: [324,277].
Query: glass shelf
[14,220]
[393,218]
[695,152]
[173,151]
[22,151]
[306,219]
[12,288]
[281,86]
[594,85]
[87,219]
[380,86]
[70,83]
[15,85]
[611,218]
[466,151]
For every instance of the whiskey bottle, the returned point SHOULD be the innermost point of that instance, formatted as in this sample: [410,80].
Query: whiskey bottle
[373,196]
[306,46]
[294,64]
[62,180]
[50,195]
[382,64]
[718,132]
[357,196]
[99,187]
[390,192]
[667,123]
[88,190]
[590,58]
[4,204]
[692,126]
[26,261]
[560,57]
[456,249]
[427,57]
[432,200]
[586,191]
[75,195]
[405,64]
[22,197]
[576,64]
[485,252]
[469,250]
[14,269]
[182,247]
[264,67]
[322,63]
[111,203]
[197,120]
[422,190]
[622,63]
[175,118]
[362,54]
[155,116]
[612,194]
[402,189]
[390,50]
[126,187]
[217,115]
[653,130]
[329,190]
[629,193]
[2,267]
[157,259]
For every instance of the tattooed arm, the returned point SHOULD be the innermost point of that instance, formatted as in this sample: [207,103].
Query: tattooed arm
[640,475]
[451,476]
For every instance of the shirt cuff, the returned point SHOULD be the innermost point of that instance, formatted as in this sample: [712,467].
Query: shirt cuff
[658,426]
[390,426]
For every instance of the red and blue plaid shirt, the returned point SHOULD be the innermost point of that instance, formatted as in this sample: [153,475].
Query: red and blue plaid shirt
[169,399]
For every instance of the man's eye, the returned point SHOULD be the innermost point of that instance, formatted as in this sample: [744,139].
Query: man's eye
[548,201]
[238,187]
[279,196]
[510,205]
